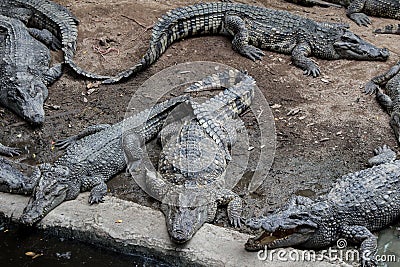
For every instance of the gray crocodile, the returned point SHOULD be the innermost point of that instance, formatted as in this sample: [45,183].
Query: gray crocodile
[53,23]
[253,28]
[92,157]
[389,29]
[357,10]
[25,71]
[190,181]
[359,203]
[389,95]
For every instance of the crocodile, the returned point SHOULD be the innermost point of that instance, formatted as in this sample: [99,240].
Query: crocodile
[358,204]
[389,29]
[92,157]
[388,96]
[190,179]
[25,71]
[357,10]
[52,22]
[254,28]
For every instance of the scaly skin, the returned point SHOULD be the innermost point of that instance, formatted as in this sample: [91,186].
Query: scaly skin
[25,71]
[389,29]
[60,23]
[357,10]
[91,158]
[14,181]
[358,204]
[9,151]
[254,28]
[387,90]
[190,180]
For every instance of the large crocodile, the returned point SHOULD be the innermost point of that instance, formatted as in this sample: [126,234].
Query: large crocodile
[358,204]
[91,158]
[357,10]
[389,95]
[52,20]
[190,181]
[253,28]
[25,71]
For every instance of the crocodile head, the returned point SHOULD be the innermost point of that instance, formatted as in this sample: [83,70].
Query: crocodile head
[184,217]
[292,225]
[51,190]
[350,46]
[395,124]
[25,97]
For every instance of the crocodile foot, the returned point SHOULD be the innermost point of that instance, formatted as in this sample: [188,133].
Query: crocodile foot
[9,151]
[312,70]
[252,52]
[361,19]
[94,199]
[64,143]
[370,88]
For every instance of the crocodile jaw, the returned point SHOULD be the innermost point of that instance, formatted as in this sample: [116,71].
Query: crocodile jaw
[350,46]
[280,238]
[183,222]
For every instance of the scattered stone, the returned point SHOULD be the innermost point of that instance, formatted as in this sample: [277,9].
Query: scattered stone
[293,112]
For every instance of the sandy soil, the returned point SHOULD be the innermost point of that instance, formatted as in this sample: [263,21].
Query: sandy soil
[334,131]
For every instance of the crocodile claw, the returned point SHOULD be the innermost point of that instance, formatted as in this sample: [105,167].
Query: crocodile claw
[9,151]
[64,143]
[370,88]
[252,52]
[315,72]
[93,199]
[236,222]
[361,19]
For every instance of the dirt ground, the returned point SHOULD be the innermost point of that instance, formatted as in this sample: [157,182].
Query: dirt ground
[332,129]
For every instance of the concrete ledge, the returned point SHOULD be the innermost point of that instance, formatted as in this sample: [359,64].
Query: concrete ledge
[127,227]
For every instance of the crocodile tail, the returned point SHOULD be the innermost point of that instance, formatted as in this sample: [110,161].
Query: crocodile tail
[182,22]
[82,72]
[389,29]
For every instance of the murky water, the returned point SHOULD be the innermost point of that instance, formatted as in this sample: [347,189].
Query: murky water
[389,247]
[17,241]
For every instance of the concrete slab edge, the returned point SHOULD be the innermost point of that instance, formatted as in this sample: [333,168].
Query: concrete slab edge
[127,227]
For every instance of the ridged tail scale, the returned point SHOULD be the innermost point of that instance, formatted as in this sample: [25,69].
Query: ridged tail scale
[218,115]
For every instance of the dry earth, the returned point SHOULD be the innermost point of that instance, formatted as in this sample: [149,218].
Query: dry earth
[332,132]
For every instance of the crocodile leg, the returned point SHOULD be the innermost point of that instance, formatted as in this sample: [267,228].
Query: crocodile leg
[360,234]
[384,100]
[354,12]
[300,58]
[46,37]
[237,27]
[132,145]
[9,151]
[234,208]
[88,131]
[381,80]
[52,74]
